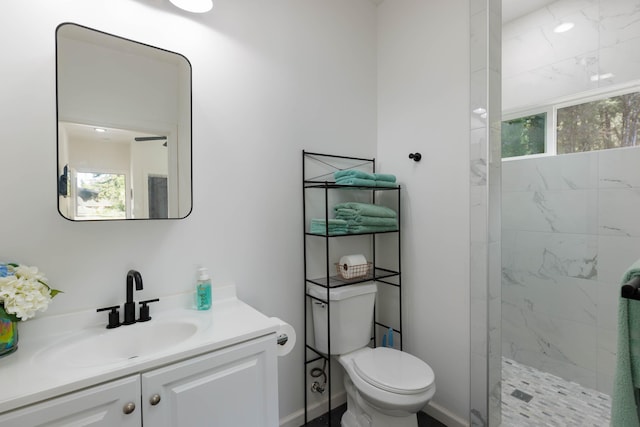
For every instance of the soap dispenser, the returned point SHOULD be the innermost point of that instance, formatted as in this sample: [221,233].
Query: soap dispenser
[203,290]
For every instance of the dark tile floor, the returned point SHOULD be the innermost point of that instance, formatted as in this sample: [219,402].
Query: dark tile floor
[424,420]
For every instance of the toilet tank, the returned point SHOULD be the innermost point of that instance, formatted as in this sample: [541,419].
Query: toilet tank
[351,309]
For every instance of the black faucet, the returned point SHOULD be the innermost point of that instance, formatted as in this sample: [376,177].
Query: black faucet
[130,305]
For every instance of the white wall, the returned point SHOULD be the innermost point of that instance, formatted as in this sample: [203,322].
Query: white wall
[87,156]
[423,89]
[269,79]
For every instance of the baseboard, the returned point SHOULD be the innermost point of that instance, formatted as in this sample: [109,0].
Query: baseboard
[296,419]
[445,416]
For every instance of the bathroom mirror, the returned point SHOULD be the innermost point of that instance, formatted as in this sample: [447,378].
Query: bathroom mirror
[124,128]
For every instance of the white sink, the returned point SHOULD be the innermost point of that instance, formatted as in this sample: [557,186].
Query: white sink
[98,346]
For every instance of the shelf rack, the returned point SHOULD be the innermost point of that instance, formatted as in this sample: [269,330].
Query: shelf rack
[321,167]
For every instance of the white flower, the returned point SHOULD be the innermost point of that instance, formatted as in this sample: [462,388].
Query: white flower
[23,291]
[29,273]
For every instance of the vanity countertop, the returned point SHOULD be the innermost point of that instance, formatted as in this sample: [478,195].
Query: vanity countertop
[29,375]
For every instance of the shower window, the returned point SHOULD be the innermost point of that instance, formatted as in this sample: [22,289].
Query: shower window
[602,121]
[599,125]
[524,136]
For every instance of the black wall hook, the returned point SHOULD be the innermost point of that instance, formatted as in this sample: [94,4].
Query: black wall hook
[415,156]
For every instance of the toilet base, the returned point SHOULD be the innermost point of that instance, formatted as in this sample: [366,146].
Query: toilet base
[361,413]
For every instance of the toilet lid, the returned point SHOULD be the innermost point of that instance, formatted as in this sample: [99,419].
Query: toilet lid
[394,371]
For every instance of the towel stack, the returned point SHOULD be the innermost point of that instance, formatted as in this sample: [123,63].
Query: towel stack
[366,218]
[335,226]
[361,178]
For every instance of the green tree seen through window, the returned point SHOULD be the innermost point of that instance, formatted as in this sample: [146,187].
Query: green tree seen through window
[524,135]
[599,125]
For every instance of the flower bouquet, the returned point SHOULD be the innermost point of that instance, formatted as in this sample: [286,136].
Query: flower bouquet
[23,291]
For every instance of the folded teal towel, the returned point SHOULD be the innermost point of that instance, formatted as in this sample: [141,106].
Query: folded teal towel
[367,209]
[347,214]
[353,173]
[335,226]
[385,184]
[624,410]
[357,181]
[384,177]
[370,229]
[375,221]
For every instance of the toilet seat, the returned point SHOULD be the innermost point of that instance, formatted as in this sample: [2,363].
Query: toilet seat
[393,371]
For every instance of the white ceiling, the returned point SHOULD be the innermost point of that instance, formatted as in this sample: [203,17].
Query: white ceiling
[540,65]
[87,133]
[512,9]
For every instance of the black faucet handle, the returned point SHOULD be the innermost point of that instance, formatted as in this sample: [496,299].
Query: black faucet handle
[144,309]
[114,316]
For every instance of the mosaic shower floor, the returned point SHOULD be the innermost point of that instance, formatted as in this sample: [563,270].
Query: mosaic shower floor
[531,398]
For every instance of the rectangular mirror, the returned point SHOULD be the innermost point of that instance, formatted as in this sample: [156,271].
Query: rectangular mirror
[124,128]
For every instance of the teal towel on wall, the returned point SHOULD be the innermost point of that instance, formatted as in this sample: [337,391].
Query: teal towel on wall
[624,410]
[367,209]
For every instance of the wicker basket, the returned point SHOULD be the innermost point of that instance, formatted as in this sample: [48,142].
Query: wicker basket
[353,272]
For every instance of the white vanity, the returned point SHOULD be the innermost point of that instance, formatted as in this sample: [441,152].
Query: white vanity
[182,368]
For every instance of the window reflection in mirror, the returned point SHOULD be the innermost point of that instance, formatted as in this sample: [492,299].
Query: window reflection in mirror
[124,110]
[100,195]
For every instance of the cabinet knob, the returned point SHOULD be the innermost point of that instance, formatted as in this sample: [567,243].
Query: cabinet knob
[129,408]
[154,400]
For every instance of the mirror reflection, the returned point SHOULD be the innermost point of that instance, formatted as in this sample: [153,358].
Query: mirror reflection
[124,128]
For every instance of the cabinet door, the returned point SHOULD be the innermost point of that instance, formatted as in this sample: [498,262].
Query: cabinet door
[99,406]
[232,387]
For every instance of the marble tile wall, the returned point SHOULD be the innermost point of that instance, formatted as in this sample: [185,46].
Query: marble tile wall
[569,231]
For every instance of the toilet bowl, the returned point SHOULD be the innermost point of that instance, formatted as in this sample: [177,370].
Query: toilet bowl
[389,379]
[385,387]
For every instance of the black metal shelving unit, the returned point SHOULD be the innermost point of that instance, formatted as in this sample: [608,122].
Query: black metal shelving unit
[323,184]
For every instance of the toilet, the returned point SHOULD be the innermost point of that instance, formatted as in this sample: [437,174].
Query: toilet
[385,387]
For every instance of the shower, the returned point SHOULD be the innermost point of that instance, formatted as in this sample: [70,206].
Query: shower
[570,80]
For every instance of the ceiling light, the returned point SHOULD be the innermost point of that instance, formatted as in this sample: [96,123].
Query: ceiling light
[195,6]
[100,130]
[598,77]
[564,27]
[479,110]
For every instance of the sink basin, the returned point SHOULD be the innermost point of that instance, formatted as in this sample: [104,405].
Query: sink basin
[98,346]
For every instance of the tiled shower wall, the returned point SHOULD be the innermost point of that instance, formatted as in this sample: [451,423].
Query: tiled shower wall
[570,228]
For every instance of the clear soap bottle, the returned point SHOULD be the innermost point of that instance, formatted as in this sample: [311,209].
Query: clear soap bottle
[203,290]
